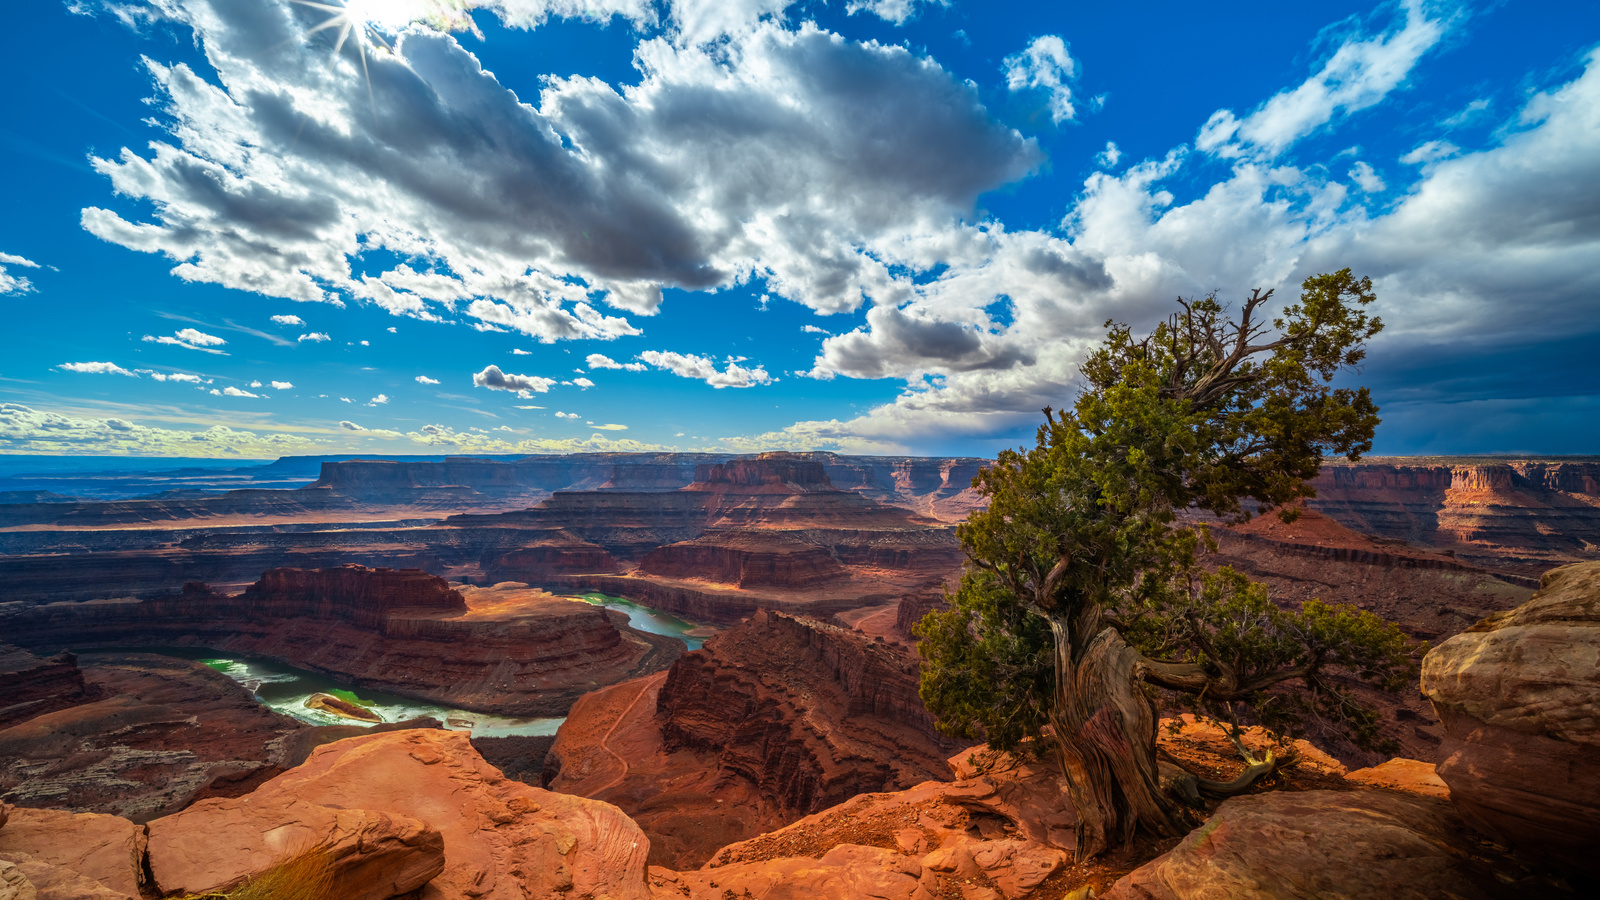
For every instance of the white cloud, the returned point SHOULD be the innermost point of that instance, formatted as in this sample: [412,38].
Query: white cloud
[896,11]
[289,320]
[814,329]
[27,430]
[1367,178]
[15,284]
[788,154]
[345,400]
[378,400]
[1429,152]
[526,406]
[1109,157]
[231,391]
[423,379]
[255,384]
[601,361]
[191,339]
[1359,74]
[392,330]
[97,368]
[1045,66]
[583,383]
[609,427]
[704,368]
[175,376]
[281,385]
[494,379]
[314,337]
[520,352]
[366,343]
[567,415]
[350,426]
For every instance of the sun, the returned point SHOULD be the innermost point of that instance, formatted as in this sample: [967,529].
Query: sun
[368,21]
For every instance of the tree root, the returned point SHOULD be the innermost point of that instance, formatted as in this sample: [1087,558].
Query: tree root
[1246,779]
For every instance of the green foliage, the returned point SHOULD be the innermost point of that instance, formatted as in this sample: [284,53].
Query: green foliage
[1083,530]
[994,674]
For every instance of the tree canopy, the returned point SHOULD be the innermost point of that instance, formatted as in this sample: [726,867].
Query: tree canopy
[1084,594]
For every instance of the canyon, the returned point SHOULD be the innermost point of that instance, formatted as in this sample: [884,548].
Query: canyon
[791,755]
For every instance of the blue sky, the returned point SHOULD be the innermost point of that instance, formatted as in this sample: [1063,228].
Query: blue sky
[874,226]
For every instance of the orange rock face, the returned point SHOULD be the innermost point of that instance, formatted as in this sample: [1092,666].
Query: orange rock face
[503,840]
[215,845]
[106,850]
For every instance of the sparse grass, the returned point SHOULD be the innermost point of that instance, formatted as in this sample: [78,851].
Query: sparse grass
[303,876]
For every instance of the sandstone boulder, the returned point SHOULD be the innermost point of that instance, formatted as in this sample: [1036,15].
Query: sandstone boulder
[1327,845]
[217,844]
[1519,696]
[108,850]
[1399,774]
[502,839]
[25,877]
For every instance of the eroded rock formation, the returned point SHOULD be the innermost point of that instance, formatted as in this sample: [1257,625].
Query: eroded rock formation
[31,686]
[1519,696]
[512,650]
[772,720]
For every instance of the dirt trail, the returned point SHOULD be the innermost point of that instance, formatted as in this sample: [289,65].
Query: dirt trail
[645,687]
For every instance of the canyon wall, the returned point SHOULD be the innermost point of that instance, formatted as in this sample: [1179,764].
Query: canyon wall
[811,713]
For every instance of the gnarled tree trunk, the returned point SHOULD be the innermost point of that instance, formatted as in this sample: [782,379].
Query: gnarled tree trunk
[1105,731]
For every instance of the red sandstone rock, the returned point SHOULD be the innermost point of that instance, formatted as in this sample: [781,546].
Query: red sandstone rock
[810,712]
[503,840]
[108,850]
[215,845]
[1519,696]
[31,686]
[1317,845]
[1408,775]
[357,594]
[775,718]
[748,559]
[25,877]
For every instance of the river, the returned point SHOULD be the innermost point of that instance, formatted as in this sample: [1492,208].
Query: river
[285,688]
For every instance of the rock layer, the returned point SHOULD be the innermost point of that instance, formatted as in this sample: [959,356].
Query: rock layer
[1519,696]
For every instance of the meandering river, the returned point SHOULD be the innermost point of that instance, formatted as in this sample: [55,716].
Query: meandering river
[285,688]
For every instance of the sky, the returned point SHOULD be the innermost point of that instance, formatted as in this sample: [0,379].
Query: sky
[255,228]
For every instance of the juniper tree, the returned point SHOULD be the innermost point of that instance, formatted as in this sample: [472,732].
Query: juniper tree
[1082,601]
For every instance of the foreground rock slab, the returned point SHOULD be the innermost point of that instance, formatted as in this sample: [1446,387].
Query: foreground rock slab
[1318,845]
[502,840]
[57,848]
[1519,696]
[216,845]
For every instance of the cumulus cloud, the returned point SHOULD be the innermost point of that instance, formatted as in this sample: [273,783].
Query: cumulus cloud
[191,339]
[786,153]
[704,368]
[1367,178]
[1109,157]
[814,329]
[378,400]
[583,383]
[175,376]
[495,380]
[97,368]
[350,426]
[24,429]
[281,385]
[1045,66]
[601,361]
[231,391]
[15,284]
[1429,152]
[314,337]
[423,379]
[1359,74]
[289,320]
